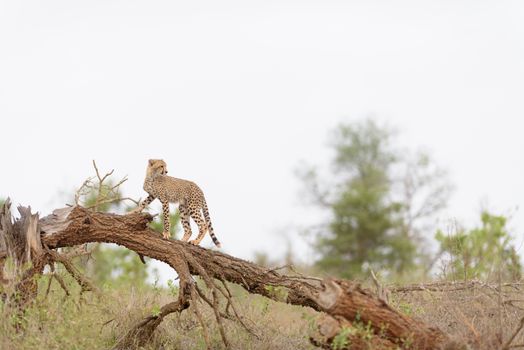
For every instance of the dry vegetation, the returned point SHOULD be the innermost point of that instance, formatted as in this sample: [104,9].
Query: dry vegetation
[57,321]
[486,316]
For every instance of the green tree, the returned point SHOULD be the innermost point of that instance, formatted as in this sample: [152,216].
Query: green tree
[482,252]
[375,199]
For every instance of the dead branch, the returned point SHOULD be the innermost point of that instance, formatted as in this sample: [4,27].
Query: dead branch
[61,282]
[344,301]
[508,345]
[105,193]
[83,190]
[450,286]
[85,284]
[142,332]
[381,291]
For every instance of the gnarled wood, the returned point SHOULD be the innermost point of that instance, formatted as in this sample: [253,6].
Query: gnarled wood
[20,242]
[351,300]
[344,300]
[339,298]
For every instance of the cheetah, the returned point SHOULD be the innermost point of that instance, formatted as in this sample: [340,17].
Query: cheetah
[190,199]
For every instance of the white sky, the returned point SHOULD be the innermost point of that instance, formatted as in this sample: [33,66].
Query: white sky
[234,94]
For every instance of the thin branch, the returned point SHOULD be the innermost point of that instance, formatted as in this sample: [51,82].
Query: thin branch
[219,319]
[382,291]
[223,315]
[124,179]
[104,194]
[84,283]
[101,179]
[467,323]
[48,286]
[100,182]
[194,306]
[80,192]
[62,283]
[517,331]
[230,302]
[212,286]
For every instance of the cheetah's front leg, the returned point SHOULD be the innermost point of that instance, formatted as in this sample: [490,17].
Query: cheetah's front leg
[142,205]
[167,224]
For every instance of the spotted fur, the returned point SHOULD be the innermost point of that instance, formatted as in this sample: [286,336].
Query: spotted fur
[190,199]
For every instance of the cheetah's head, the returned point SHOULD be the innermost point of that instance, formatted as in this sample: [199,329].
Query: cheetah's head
[156,166]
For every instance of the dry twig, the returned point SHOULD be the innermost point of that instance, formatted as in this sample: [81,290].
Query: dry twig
[105,193]
[84,283]
[508,345]
[382,291]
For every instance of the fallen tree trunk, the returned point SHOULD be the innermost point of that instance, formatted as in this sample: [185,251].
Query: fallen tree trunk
[344,300]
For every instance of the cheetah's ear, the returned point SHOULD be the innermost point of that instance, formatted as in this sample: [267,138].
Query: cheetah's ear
[151,161]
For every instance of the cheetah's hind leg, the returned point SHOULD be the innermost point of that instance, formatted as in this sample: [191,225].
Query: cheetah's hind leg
[202,227]
[184,217]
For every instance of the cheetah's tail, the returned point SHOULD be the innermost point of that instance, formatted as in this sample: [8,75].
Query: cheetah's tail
[209,226]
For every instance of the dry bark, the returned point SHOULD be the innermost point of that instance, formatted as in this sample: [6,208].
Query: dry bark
[20,242]
[344,300]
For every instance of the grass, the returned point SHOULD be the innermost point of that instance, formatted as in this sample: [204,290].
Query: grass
[483,315]
[90,322]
